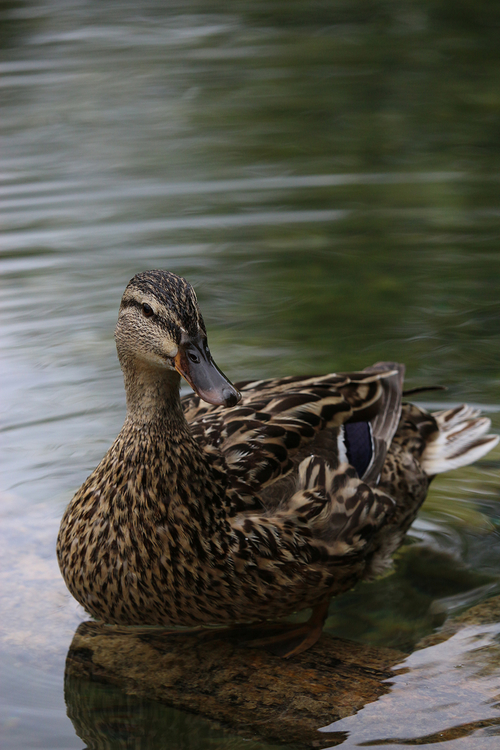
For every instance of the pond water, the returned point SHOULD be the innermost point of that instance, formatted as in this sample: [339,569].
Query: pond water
[327,176]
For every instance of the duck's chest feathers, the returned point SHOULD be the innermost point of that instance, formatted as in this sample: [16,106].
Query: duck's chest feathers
[152,511]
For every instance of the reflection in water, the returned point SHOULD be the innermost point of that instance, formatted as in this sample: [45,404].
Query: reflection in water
[106,718]
[446,735]
[442,693]
[427,587]
[211,674]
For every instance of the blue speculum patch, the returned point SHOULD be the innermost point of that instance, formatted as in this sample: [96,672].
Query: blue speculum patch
[359,446]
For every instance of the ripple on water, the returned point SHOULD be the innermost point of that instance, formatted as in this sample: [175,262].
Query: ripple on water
[444,693]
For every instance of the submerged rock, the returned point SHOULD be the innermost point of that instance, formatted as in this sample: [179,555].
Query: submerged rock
[251,691]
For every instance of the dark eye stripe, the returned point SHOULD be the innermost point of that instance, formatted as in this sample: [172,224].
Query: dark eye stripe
[132,303]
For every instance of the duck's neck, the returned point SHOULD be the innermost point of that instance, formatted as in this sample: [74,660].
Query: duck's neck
[181,481]
[152,396]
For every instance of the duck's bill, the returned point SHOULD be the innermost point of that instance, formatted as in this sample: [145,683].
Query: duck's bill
[194,362]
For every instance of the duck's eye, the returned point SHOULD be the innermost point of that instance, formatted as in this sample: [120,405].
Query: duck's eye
[147,310]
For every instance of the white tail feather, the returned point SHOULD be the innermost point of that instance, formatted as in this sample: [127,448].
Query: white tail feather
[461,440]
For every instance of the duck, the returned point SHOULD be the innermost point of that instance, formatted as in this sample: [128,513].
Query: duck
[239,505]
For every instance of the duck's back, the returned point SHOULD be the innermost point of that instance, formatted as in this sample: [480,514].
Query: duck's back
[340,451]
[341,418]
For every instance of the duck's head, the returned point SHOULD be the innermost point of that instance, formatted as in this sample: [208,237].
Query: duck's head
[160,328]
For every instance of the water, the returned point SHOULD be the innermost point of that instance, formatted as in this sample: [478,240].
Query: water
[327,177]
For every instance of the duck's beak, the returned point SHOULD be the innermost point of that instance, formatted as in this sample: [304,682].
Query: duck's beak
[194,362]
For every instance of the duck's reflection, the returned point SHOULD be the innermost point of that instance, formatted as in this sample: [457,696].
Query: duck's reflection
[112,717]
[106,717]
[451,685]
[113,673]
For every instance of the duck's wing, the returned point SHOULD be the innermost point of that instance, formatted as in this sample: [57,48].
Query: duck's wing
[339,512]
[386,419]
[262,440]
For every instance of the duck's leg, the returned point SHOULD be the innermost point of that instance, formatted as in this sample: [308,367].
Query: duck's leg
[289,639]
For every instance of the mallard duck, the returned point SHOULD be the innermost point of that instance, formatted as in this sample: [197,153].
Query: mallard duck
[243,504]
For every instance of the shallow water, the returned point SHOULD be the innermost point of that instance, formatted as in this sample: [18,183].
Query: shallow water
[328,178]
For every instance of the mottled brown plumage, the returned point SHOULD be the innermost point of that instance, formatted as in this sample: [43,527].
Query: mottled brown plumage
[227,512]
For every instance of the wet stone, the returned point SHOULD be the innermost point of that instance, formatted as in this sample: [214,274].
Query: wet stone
[251,691]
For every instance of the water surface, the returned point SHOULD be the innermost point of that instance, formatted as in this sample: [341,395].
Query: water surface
[327,176]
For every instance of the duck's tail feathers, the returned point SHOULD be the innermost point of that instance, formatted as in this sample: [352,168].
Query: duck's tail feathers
[460,440]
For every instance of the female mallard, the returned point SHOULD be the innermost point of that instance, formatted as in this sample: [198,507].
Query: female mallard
[260,502]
